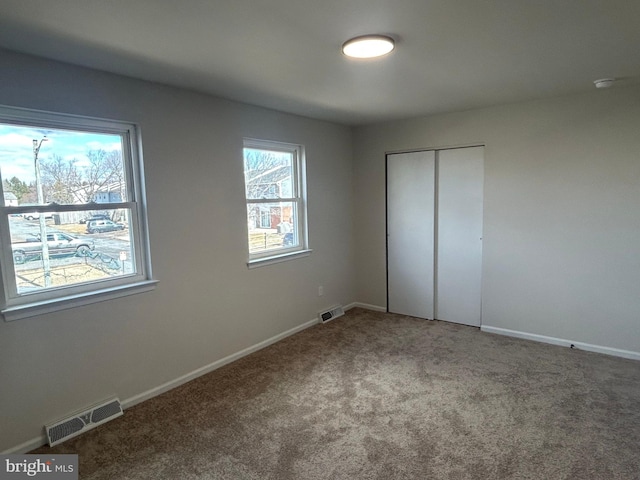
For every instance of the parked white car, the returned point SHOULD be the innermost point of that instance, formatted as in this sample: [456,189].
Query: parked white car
[59,244]
[36,215]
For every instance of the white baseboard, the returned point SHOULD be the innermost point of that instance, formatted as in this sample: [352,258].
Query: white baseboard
[165,387]
[562,342]
[27,446]
[366,306]
[130,402]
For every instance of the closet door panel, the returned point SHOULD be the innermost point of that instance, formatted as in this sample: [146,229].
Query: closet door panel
[459,235]
[410,233]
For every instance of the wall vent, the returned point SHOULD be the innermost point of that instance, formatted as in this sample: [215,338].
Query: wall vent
[82,421]
[334,312]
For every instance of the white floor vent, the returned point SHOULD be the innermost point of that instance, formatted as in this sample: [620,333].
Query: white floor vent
[83,421]
[327,315]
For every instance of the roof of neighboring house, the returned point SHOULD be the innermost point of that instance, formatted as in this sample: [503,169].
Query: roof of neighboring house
[10,196]
[259,181]
[112,187]
[272,175]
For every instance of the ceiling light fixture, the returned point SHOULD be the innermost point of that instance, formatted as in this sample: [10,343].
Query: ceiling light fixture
[604,82]
[368,46]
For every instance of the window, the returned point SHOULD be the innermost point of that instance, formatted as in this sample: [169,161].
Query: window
[276,212]
[76,182]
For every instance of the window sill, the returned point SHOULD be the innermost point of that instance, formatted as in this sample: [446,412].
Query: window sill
[264,261]
[38,308]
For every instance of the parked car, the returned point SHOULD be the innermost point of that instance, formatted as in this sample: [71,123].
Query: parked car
[97,216]
[99,226]
[36,215]
[59,244]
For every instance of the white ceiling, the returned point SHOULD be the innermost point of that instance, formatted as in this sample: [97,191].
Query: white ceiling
[285,54]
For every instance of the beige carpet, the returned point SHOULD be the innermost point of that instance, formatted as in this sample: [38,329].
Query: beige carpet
[379,396]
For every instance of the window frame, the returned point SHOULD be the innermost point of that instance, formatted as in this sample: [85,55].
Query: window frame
[298,199]
[13,305]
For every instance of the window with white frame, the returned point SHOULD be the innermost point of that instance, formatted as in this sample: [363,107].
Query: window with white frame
[75,229]
[276,211]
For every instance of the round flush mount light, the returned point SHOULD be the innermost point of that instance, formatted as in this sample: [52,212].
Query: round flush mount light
[604,82]
[368,46]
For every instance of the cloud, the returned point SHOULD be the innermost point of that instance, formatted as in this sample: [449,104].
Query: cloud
[16,148]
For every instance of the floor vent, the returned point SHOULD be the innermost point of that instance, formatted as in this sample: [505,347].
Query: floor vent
[327,315]
[83,421]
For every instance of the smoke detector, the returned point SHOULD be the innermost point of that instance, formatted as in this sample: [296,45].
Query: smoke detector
[604,82]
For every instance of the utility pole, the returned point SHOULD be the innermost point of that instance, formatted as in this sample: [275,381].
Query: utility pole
[43,228]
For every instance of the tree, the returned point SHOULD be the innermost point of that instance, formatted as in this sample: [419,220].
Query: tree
[19,188]
[104,170]
[58,180]
[73,181]
[264,172]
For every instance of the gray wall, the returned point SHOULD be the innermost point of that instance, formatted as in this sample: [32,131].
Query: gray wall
[562,212]
[207,305]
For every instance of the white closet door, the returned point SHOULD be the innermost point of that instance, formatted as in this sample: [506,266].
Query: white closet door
[459,235]
[410,233]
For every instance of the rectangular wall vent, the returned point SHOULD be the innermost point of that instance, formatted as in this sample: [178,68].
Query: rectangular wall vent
[82,421]
[334,312]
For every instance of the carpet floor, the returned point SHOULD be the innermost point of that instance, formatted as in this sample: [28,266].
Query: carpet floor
[380,396]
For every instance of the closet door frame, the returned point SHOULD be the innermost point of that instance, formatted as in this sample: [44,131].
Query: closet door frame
[434,255]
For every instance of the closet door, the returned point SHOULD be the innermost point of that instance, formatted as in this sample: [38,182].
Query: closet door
[460,178]
[410,233]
